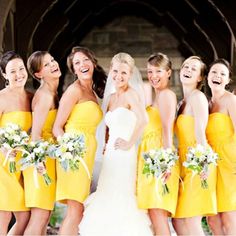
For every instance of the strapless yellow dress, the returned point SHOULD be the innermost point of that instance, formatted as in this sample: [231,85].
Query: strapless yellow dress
[222,137]
[12,196]
[44,196]
[75,185]
[193,200]
[149,189]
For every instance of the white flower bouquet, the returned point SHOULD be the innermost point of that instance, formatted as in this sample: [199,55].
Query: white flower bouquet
[35,154]
[12,139]
[198,160]
[159,162]
[69,151]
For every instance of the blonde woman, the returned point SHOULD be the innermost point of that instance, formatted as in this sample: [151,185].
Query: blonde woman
[158,133]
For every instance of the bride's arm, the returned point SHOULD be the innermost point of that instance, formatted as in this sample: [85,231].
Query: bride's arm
[138,108]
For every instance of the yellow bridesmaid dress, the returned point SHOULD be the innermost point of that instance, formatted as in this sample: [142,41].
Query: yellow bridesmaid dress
[12,196]
[193,200]
[222,138]
[44,196]
[75,185]
[149,189]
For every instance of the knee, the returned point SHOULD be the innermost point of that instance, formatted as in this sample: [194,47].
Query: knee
[177,223]
[212,222]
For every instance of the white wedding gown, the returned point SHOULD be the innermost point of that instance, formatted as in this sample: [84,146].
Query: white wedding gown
[112,210]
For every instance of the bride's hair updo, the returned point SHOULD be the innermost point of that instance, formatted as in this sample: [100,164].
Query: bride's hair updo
[123,57]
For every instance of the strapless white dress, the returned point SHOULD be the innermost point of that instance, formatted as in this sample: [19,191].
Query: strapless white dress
[112,210]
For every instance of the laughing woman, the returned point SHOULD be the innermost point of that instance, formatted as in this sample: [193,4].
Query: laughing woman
[14,108]
[193,200]
[43,67]
[221,133]
[78,113]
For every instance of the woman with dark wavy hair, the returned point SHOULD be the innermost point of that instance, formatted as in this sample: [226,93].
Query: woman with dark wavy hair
[79,112]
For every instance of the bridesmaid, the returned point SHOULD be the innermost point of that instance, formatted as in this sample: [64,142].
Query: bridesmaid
[43,67]
[193,201]
[79,112]
[158,133]
[221,133]
[14,108]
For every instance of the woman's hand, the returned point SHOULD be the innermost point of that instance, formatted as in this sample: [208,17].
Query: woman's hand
[41,168]
[122,144]
[12,154]
[204,175]
[166,176]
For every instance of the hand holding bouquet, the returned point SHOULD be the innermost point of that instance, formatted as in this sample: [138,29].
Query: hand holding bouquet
[12,138]
[69,151]
[35,154]
[158,162]
[198,160]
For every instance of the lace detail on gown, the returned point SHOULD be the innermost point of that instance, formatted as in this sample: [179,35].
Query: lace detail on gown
[112,210]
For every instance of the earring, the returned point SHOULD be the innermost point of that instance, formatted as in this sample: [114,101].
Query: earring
[6,82]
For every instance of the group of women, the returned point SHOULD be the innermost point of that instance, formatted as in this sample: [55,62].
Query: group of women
[126,201]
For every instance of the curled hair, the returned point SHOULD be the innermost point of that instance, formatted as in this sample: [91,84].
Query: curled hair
[160,60]
[203,72]
[99,75]
[34,62]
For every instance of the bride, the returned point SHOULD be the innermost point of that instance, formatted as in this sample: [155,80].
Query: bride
[112,210]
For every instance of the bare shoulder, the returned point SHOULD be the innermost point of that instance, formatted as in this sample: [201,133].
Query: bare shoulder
[3,96]
[74,89]
[168,94]
[230,98]
[197,96]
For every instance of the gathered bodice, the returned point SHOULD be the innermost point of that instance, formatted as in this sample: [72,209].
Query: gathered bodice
[154,126]
[84,117]
[184,129]
[219,128]
[121,123]
[21,118]
[47,127]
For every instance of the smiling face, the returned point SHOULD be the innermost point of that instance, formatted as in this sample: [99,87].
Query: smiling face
[49,68]
[158,76]
[218,77]
[190,73]
[121,74]
[83,67]
[15,73]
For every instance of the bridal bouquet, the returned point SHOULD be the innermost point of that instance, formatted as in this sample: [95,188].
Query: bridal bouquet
[35,154]
[69,151]
[198,160]
[159,162]
[12,138]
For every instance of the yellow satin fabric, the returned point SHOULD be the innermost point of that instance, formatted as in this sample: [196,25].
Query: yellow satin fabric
[44,196]
[75,185]
[193,200]
[12,196]
[149,189]
[222,138]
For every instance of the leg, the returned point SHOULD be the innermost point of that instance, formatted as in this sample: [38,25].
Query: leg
[22,218]
[70,224]
[229,222]
[180,226]
[159,220]
[216,225]
[38,221]
[194,225]
[5,218]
